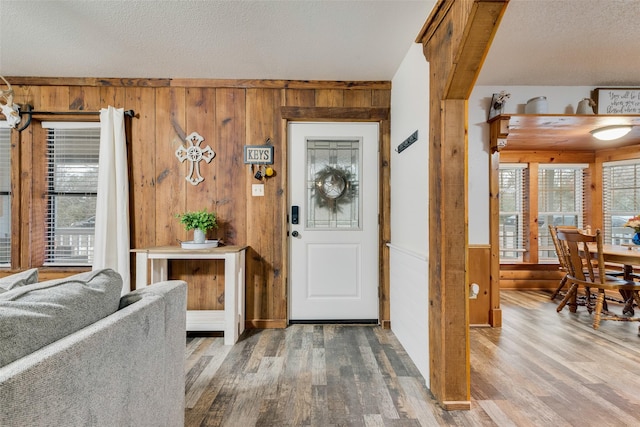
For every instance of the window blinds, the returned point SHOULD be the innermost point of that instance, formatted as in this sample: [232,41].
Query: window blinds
[72,182]
[513,202]
[560,202]
[5,196]
[620,199]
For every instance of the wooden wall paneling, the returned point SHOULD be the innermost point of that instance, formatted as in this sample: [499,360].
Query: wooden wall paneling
[479,272]
[18,185]
[357,98]
[592,206]
[380,98]
[205,278]
[530,277]
[329,98]
[84,98]
[142,160]
[117,97]
[22,178]
[264,303]
[170,173]
[538,156]
[33,222]
[26,94]
[495,315]
[231,172]
[622,153]
[300,97]
[54,98]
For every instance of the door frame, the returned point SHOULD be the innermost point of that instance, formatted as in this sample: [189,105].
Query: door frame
[366,235]
[356,114]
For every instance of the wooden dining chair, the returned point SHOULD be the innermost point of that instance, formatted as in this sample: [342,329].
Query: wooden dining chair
[570,244]
[561,259]
[587,269]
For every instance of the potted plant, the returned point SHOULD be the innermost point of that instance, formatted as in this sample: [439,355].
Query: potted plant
[200,222]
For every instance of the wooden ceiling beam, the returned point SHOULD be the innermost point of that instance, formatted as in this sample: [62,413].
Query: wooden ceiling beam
[479,32]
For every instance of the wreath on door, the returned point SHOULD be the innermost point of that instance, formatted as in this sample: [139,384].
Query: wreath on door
[334,187]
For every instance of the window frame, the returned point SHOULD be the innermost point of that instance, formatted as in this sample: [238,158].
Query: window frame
[544,238]
[531,254]
[608,213]
[28,204]
[53,193]
[520,213]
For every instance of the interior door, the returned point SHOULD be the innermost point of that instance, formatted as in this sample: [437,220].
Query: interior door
[333,221]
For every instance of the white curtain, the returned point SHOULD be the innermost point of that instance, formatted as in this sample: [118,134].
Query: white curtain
[111,248]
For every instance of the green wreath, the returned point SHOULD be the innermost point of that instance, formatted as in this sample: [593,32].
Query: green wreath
[334,187]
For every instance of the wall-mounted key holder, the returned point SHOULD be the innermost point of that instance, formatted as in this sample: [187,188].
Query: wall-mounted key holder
[260,157]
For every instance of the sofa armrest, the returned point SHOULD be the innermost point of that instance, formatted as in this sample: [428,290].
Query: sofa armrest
[126,369]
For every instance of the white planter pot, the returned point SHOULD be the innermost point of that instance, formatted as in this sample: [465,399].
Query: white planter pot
[199,236]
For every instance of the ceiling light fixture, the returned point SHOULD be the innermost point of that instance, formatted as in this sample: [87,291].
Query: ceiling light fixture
[609,133]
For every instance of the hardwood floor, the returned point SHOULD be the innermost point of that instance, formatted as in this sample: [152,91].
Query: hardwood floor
[540,368]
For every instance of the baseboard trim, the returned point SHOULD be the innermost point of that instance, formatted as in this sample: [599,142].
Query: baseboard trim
[334,321]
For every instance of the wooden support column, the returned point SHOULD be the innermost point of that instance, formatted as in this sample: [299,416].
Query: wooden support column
[455,39]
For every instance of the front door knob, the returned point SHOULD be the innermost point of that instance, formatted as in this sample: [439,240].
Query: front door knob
[295,234]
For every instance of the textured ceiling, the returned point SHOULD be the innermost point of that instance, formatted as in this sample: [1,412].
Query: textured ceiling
[566,43]
[540,42]
[302,40]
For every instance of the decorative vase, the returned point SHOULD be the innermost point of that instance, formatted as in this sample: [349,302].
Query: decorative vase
[537,105]
[636,239]
[199,236]
[585,106]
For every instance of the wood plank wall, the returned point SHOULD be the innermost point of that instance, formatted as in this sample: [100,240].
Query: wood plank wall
[479,266]
[228,114]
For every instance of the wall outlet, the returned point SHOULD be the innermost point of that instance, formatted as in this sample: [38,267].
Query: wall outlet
[257,190]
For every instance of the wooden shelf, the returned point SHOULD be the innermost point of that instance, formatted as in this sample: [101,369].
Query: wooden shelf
[562,132]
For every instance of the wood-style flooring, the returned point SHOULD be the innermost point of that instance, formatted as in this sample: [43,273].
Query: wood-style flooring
[540,368]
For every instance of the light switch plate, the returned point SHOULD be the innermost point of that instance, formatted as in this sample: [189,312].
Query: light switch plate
[257,190]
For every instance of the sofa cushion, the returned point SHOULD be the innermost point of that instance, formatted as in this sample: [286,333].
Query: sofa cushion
[26,277]
[35,315]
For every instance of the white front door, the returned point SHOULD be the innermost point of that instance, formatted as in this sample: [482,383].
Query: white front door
[333,221]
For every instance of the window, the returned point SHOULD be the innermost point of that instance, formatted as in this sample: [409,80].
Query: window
[72,183]
[5,196]
[512,179]
[560,202]
[620,199]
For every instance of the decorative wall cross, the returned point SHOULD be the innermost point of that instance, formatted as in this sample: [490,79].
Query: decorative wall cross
[194,154]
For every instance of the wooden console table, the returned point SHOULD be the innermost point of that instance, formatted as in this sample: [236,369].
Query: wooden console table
[231,319]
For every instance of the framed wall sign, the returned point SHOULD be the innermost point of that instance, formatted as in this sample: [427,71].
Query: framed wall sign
[617,100]
[258,154]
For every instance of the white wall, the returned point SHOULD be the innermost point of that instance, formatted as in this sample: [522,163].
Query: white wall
[561,100]
[410,187]
[409,293]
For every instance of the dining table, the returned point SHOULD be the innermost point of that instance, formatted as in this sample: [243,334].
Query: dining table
[627,256]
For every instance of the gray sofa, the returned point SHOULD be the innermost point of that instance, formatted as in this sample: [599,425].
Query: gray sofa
[125,369]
